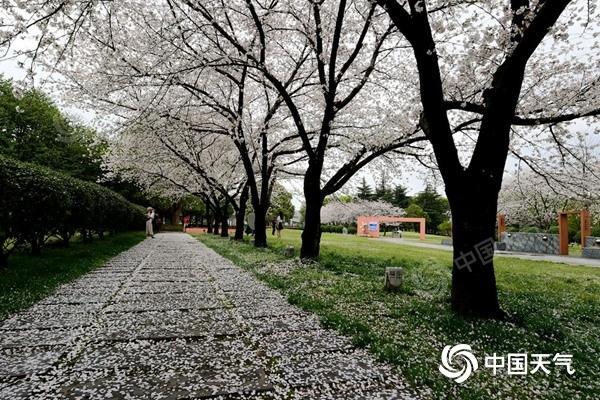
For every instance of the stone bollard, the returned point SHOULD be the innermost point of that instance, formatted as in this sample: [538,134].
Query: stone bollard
[288,251]
[394,278]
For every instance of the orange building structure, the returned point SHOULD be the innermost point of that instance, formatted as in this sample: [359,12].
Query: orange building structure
[369,226]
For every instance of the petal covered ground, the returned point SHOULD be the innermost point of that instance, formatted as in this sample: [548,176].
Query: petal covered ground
[171,319]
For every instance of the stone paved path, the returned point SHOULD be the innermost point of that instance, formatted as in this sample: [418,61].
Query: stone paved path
[172,319]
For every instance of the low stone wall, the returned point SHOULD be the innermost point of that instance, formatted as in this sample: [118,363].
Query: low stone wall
[591,249]
[590,241]
[522,242]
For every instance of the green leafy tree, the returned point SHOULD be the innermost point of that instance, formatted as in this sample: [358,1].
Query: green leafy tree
[400,198]
[415,211]
[281,202]
[33,129]
[434,205]
[383,192]
[365,192]
[445,228]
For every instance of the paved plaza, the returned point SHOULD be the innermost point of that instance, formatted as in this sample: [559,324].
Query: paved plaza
[171,319]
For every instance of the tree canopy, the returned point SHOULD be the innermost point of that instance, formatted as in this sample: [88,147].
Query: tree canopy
[33,129]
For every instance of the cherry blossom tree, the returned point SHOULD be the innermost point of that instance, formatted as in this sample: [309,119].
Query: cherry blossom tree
[534,198]
[345,115]
[480,79]
[196,86]
[165,156]
[329,63]
[337,212]
[482,66]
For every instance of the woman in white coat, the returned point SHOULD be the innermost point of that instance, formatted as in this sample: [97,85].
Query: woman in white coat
[149,220]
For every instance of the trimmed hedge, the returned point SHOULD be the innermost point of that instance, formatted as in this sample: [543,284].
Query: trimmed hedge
[338,229]
[37,203]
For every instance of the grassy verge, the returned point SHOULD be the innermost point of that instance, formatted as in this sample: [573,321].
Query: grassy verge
[553,308]
[29,279]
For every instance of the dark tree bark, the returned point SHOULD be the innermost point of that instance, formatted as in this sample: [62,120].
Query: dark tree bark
[473,192]
[217,221]
[209,226]
[240,214]
[311,234]
[225,220]
[260,226]
[224,226]
[473,204]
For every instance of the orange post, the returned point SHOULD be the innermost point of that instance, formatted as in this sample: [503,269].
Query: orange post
[586,226]
[501,225]
[422,229]
[563,233]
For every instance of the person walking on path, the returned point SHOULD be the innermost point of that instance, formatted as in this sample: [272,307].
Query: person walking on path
[279,222]
[158,222]
[274,226]
[149,220]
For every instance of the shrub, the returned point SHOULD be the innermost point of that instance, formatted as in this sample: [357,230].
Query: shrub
[337,229]
[445,228]
[531,229]
[37,203]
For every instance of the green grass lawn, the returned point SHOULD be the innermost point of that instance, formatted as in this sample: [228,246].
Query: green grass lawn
[553,308]
[429,238]
[29,279]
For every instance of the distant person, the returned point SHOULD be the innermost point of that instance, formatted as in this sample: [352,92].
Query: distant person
[158,222]
[149,220]
[279,222]
[274,226]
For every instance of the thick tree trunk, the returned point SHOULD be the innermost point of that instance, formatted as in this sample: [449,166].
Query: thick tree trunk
[260,226]
[209,226]
[216,227]
[240,215]
[311,235]
[239,225]
[224,226]
[473,227]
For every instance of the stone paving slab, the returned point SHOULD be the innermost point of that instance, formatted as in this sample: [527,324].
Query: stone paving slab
[166,297]
[157,305]
[77,298]
[38,337]
[171,319]
[176,354]
[32,320]
[168,287]
[282,323]
[20,362]
[170,324]
[187,384]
